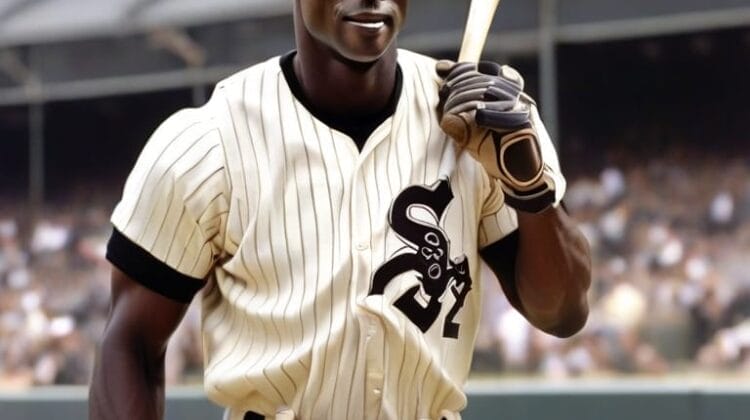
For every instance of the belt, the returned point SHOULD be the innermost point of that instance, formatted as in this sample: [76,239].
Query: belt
[288,415]
[281,415]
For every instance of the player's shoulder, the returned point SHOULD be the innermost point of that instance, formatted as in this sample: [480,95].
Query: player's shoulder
[190,126]
[218,113]
[187,139]
[185,124]
[237,83]
[413,62]
[410,57]
[241,94]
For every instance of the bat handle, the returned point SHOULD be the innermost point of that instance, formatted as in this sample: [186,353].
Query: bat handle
[481,14]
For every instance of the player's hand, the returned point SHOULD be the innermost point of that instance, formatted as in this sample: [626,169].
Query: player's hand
[483,108]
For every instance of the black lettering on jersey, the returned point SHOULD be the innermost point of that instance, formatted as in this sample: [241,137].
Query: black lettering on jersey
[428,256]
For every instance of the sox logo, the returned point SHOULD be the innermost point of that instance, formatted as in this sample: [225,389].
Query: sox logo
[428,255]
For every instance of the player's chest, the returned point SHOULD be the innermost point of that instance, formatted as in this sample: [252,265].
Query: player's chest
[401,214]
[310,185]
[319,172]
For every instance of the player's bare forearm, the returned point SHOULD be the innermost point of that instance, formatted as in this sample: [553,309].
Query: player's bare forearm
[128,381]
[553,271]
[544,269]
[126,385]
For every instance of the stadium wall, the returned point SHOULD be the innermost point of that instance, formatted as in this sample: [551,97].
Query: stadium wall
[616,400]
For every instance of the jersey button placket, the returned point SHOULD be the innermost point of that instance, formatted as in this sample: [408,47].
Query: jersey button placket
[371,327]
[374,364]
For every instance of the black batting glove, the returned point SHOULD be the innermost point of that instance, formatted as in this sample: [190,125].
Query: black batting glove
[484,109]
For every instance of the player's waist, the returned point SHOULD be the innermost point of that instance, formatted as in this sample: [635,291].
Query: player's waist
[290,415]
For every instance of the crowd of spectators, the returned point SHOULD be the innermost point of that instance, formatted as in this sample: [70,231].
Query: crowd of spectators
[670,240]
[54,294]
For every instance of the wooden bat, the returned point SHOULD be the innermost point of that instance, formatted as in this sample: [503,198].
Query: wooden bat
[481,13]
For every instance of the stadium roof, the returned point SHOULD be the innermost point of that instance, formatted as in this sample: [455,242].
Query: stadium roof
[39,21]
[71,49]
[28,22]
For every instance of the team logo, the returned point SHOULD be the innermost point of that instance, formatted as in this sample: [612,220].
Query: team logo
[415,216]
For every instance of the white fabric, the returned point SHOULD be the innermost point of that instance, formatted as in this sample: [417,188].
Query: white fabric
[289,223]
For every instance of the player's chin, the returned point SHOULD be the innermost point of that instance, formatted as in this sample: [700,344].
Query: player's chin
[365,49]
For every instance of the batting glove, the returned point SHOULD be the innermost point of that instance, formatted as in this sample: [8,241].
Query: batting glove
[484,109]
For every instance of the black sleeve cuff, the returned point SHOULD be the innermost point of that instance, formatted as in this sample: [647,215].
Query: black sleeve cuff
[148,271]
[501,256]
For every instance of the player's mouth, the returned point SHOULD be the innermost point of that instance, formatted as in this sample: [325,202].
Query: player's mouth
[367,20]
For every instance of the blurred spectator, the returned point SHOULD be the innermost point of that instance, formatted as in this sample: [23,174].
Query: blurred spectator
[670,240]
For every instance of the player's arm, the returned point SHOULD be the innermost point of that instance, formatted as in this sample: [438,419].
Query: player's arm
[128,381]
[544,267]
[168,233]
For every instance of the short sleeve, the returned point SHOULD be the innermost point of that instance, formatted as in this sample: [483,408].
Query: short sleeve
[498,219]
[174,204]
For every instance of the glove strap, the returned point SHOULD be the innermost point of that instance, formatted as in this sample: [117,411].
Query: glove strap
[535,201]
[522,171]
[519,158]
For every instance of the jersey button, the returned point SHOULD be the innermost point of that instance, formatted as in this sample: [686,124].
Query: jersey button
[362,246]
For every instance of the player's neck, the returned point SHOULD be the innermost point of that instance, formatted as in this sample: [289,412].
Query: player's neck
[336,85]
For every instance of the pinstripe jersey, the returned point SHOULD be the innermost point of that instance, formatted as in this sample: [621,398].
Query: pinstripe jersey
[341,283]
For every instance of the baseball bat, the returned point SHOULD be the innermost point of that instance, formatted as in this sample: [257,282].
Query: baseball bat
[481,13]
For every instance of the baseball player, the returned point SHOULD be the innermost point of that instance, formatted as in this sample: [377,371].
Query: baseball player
[335,230]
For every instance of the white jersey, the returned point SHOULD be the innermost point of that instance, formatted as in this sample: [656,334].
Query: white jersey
[341,284]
